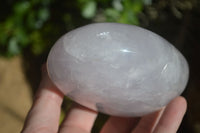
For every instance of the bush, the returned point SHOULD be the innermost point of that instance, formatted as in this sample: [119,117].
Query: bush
[35,25]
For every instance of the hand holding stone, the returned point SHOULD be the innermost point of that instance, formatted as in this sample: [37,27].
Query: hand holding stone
[117,69]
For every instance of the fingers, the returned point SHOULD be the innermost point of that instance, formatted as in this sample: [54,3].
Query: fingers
[119,125]
[79,120]
[167,120]
[148,122]
[172,116]
[44,114]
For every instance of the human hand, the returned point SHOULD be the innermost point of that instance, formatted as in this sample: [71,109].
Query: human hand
[45,113]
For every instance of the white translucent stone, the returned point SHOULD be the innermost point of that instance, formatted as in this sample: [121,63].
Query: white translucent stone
[117,69]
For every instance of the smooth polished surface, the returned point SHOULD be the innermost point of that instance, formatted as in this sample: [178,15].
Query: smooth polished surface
[117,69]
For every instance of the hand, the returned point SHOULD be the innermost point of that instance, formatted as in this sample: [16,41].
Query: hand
[45,112]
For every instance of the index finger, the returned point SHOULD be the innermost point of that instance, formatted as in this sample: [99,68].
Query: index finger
[45,112]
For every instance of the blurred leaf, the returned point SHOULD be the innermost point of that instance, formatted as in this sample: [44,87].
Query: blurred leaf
[21,7]
[147,2]
[38,45]
[46,2]
[117,5]
[43,14]
[21,36]
[137,6]
[112,14]
[13,48]
[89,9]
[3,35]
[8,24]
[129,18]
[6,30]
[31,20]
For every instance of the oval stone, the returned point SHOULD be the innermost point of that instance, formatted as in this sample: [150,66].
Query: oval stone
[117,69]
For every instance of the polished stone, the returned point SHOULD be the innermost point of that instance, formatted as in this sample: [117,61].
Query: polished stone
[117,69]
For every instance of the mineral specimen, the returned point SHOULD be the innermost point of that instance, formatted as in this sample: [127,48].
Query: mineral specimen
[117,69]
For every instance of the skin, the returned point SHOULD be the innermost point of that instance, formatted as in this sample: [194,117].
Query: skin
[44,116]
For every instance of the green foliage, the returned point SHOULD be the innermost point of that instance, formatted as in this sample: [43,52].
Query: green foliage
[34,25]
[22,25]
[124,11]
[89,9]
